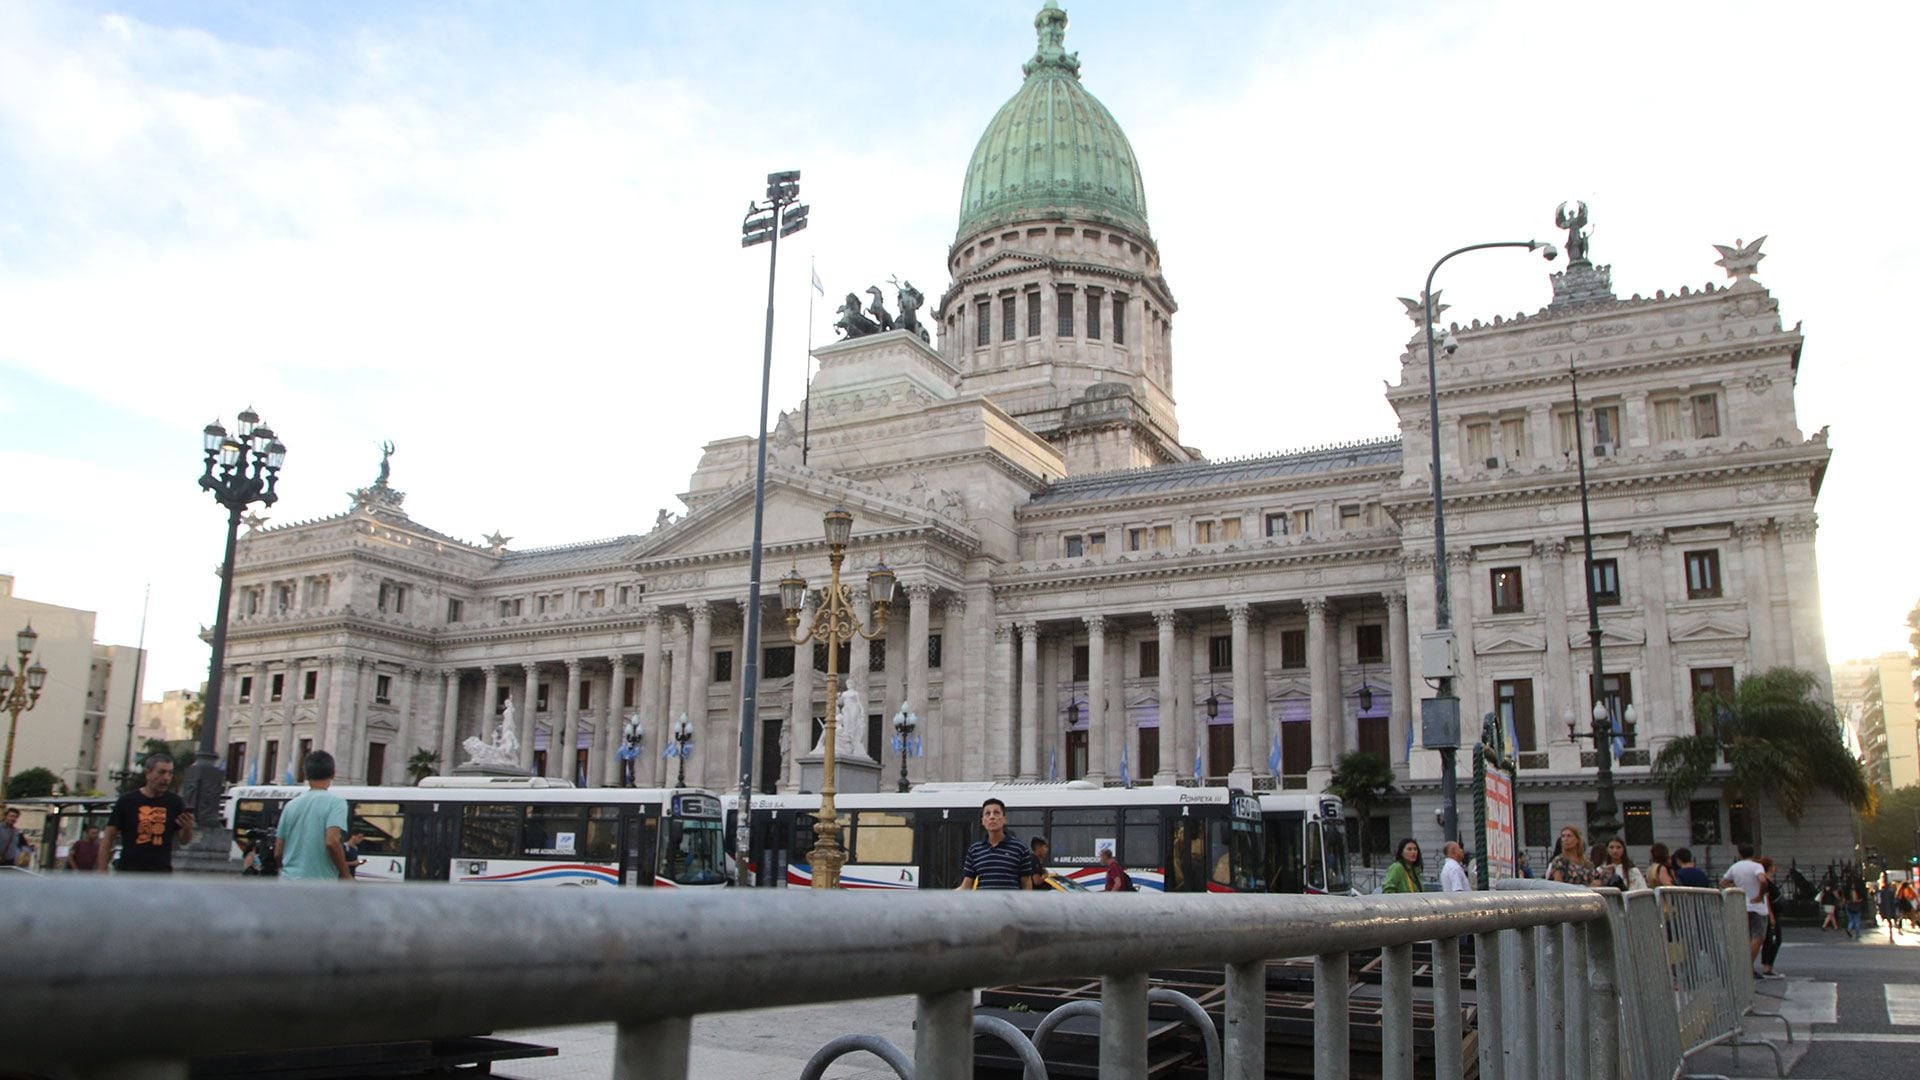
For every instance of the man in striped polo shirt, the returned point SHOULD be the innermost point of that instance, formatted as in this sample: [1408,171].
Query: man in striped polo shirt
[1000,861]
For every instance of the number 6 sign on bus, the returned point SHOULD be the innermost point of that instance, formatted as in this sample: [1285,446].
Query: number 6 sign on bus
[1499,853]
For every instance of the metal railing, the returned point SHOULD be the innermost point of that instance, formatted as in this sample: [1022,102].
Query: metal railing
[251,966]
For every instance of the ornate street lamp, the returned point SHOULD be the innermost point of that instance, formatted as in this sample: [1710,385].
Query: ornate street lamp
[1606,806]
[241,469]
[904,740]
[18,695]
[836,621]
[782,214]
[682,746]
[1440,715]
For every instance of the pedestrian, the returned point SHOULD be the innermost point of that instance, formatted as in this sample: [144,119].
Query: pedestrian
[1403,876]
[85,851]
[1855,895]
[1750,878]
[1889,906]
[1118,880]
[1453,872]
[1770,945]
[1687,875]
[1570,858]
[999,861]
[1659,868]
[1829,901]
[1521,867]
[310,844]
[354,861]
[149,820]
[1041,850]
[1905,895]
[14,848]
[1618,871]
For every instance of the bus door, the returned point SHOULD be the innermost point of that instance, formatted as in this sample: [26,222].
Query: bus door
[772,838]
[429,839]
[639,833]
[944,836]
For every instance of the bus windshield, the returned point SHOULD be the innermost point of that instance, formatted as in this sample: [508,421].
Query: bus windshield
[1339,879]
[693,852]
[1236,855]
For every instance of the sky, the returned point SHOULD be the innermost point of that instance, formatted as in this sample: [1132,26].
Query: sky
[503,236]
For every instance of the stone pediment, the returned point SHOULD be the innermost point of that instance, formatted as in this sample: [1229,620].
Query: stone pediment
[1721,627]
[796,500]
[1504,643]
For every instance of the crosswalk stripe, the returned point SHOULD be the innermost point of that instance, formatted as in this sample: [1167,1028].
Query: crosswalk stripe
[1903,1003]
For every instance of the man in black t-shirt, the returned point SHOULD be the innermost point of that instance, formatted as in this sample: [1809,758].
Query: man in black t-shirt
[148,820]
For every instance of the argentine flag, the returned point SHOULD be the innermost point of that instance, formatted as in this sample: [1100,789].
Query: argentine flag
[1200,757]
[1126,774]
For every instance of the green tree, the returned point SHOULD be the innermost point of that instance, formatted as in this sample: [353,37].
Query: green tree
[195,708]
[1361,779]
[37,782]
[1781,744]
[422,764]
[1892,826]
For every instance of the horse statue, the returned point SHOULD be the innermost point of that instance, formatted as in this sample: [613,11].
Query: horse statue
[853,322]
[878,308]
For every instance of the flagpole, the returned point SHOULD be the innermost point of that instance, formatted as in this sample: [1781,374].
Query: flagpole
[806,410]
[133,707]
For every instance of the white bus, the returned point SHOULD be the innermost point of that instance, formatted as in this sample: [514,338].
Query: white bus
[1306,843]
[1170,839]
[510,831]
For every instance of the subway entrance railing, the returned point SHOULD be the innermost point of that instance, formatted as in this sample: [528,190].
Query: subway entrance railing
[167,970]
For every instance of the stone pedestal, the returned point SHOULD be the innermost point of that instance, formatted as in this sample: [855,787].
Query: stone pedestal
[210,853]
[473,768]
[856,776]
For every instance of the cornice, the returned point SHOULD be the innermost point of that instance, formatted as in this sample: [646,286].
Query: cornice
[1379,544]
[1375,479]
[1554,370]
[1559,485]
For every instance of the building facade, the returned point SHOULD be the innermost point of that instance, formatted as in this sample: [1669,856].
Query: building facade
[1875,696]
[1082,595]
[79,728]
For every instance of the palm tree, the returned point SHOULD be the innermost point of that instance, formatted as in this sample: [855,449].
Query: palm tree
[1360,779]
[1780,741]
[422,764]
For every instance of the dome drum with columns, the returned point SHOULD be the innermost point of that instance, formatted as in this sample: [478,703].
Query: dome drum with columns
[1075,582]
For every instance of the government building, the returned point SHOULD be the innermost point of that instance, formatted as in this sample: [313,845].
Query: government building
[1082,594]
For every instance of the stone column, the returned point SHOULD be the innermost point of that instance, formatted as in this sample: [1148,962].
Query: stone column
[1463,588]
[1558,700]
[1096,700]
[1241,776]
[1758,586]
[800,704]
[651,702]
[1029,692]
[1320,703]
[336,722]
[1182,712]
[859,675]
[1121,728]
[529,699]
[1004,700]
[699,660]
[678,646]
[614,719]
[1657,711]
[1169,716]
[1265,727]
[1801,576]
[919,625]
[569,728]
[1399,677]
[353,763]
[288,743]
[409,729]
[489,704]
[450,720]
[941,741]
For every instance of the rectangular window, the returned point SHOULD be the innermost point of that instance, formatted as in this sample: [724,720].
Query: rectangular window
[383,689]
[1137,539]
[1072,547]
[1119,320]
[1370,641]
[310,685]
[1230,528]
[983,325]
[1706,416]
[1093,314]
[776,661]
[539,605]
[300,763]
[282,597]
[586,695]
[246,689]
[393,597]
[1536,824]
[1513,437]
[1276,524]
[933,652]
[1163,536]
[1739,824]
[1606,429]
[1063,313]
[881,837]
[1568,429]
[1350,516]
[1506,590]
[1617,692]
[1479,444]
[599,598]
[541,696]
[1220,652]
[510,608]
[843,661]
[270,762]
[1703,822]
[625,594]
[1666,420]
[1703,574]
[877,655]
[1303,522]
[1712,690]
[236,762]
[454,610]
[490,830]
[1636,822]
[1293,648]
[253,601]
[1606,582]
[1033,314]
[1097,543]
[1149,659]
[629,689]
[1203,532]
[278,686]
[1513,705]
[1009,318]
[723,665]
[1080,663]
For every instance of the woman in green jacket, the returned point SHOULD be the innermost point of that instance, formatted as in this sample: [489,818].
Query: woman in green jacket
[1404,875]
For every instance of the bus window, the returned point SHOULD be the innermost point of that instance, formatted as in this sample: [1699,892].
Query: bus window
[1234,854]
[553,829]
[691,852]
[251,815]
[1025,824]
[1140,838]
[880,837]
[603,834]
[1339,877]
[1283,853]
[490,831]
[380,826]
[1074,833]
[1184,855]
[1220,852]
[1248,847]
[1314,860]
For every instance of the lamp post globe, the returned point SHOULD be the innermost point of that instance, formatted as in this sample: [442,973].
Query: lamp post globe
[905,723]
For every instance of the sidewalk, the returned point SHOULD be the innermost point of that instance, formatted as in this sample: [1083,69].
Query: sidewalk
[762,1043]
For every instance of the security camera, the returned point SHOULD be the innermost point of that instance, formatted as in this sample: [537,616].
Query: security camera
[1549,252]
[1450,343]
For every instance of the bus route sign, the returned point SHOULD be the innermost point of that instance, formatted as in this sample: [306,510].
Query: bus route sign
[1500,847]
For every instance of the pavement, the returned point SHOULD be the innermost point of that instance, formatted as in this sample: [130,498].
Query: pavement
[1854,1007]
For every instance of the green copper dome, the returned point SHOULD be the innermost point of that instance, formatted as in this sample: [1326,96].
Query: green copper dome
[1053,149]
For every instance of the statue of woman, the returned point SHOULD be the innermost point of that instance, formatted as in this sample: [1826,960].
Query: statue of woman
[850,736]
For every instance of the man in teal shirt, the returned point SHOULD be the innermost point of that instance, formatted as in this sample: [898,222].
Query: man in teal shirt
[312,827]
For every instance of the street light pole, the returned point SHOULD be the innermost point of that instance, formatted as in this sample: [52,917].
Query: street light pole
[1606,820]
[905,723]
[835,621]
[248,464]
[782,214]
[18,694]
[1440,718]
